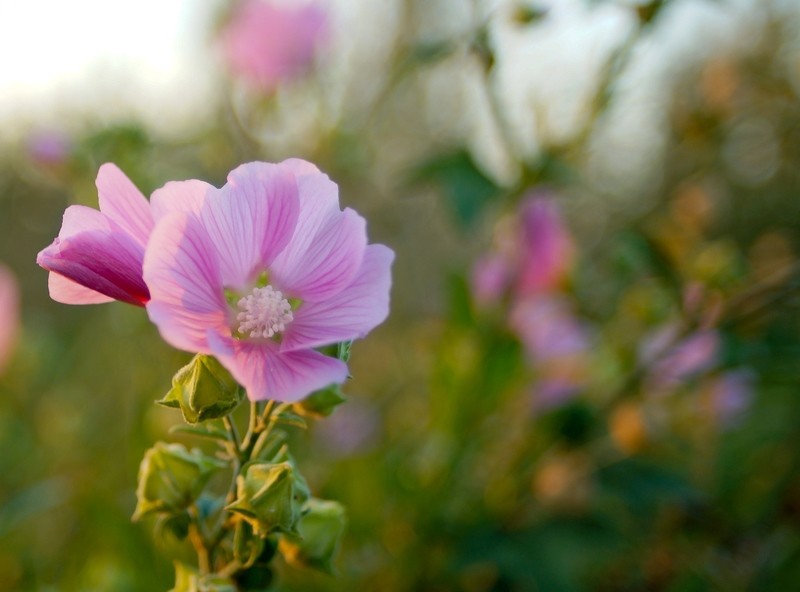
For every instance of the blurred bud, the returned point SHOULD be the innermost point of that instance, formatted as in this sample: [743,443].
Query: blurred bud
[320,530]
[203,389]
[563,480]
[9,315]
[171,478]
[188,580]
[627,428]
[265,497]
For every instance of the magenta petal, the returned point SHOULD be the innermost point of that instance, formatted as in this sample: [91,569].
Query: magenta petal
[251,220]
[106,261]
[268,374]
[328,264]
[350,314]
[66,291]
[180,196]
[123,203]
[181,269]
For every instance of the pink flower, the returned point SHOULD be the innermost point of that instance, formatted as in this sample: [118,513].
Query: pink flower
[534,257]
[265,43]
[9,315]
[97,256]
[267,269]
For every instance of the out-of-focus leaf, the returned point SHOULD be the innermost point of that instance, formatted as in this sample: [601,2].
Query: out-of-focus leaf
[467,190]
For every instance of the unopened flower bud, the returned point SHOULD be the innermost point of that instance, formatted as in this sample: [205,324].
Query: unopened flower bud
[203,389]
[265,497]
[171,478]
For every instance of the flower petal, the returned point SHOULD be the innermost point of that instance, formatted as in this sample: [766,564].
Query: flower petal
[350,314]
[319,205]
[106,261]
[186,291]
[268,374]
[251,219]
[329,261]
[123,203]
[180,196]
[79,219]
[66,291]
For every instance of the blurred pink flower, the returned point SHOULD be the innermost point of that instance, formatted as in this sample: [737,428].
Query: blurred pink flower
[9,315]
[557,345]
[673,364]
[536,259]
[267,269]
[548,329]
[267,43]
[97,256]
[48,148]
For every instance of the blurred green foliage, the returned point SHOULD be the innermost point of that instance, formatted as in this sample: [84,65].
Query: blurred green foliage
[453,475]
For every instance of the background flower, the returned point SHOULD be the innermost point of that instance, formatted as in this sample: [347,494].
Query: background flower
[267,43]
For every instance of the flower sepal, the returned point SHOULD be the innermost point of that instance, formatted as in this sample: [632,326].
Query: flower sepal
[203,389]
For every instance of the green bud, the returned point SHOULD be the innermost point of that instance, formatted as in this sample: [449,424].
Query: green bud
[171,478]
[188,580]
[203,389]
[265,497]
[319,532]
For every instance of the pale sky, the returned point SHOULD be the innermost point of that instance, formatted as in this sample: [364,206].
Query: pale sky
[106,58]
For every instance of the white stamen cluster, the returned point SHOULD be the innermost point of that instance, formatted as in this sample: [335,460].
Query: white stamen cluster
[265,312]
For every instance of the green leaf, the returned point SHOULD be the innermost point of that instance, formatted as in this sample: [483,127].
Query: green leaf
[209,429]
[288,417]
[321,403]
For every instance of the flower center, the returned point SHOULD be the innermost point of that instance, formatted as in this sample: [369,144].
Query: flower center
[264,312]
